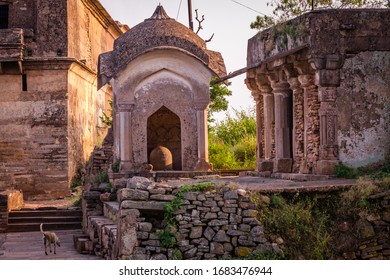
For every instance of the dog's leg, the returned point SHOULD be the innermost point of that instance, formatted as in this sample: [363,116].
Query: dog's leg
[54,245]
[44,244]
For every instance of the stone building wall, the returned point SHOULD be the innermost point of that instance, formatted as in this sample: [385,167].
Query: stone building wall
[50,105]
[363,103]
[343,72]
[33,149]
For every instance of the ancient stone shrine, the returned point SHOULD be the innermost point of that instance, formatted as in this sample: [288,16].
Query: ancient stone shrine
[321,83]
[160,73]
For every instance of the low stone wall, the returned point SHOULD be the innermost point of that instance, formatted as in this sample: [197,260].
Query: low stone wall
[218,223]
[374,242]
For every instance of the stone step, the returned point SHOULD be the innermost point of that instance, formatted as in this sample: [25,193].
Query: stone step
[25,227]
[40,213]
[110,209]
[44,219]
[30,220]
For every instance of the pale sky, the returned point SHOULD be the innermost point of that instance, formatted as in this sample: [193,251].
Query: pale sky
[227,19]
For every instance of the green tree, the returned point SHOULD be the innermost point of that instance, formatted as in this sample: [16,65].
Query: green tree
[287,9]
[232,142]
[218,100]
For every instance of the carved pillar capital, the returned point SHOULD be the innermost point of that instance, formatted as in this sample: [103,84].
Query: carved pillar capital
[124,107]
[201,105]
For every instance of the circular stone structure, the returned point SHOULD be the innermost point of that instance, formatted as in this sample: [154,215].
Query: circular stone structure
[161,158]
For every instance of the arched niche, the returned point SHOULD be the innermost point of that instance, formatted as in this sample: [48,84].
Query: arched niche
[164,129]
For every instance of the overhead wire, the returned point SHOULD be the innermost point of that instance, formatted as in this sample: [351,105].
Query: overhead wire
[248,8]
[178,11]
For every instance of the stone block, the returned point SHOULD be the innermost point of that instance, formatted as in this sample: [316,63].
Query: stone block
[230,195]
[221,236]
[214,223]
[190,253]
[196,232]
[162,197]
[216,248]
[283,165]
[209,233]
[326,167]
[266,166]
[132,194]
[143,205]
[145,227]
[249,213]
[191,196]
[139,183]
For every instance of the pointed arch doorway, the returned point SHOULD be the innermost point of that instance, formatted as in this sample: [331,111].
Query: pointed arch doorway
[164,129]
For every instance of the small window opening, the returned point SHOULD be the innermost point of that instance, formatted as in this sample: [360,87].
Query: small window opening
[4,16]
[24,82]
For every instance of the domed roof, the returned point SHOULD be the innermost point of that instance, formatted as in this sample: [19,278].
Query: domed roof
[159,32]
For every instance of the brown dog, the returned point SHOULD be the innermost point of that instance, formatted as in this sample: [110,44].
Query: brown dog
[50,238]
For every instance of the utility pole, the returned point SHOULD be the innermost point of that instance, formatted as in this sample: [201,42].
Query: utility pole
[191,25]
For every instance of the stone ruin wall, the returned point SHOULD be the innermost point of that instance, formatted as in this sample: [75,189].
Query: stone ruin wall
[363,102]
[212,224]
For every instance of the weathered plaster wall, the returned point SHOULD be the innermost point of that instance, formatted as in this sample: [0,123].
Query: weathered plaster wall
[51,28]
[85,106]
[33,150]
[87,34]
[363,102]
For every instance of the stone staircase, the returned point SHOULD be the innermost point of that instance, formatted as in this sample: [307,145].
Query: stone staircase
[100,233]
[53,219]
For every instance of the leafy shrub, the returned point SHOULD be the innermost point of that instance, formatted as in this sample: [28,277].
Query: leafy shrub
[232,142]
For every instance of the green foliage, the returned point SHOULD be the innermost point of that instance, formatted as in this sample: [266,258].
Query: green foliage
[218,101]
[287,9]
[308,222]
[107,119]
[168,234]
[232,142]
[297,221]
[343,171]
[102,177]
[221,155]
[116,166]
[234,128]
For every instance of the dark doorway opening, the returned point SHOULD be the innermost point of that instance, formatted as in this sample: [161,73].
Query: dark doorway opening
[164,129]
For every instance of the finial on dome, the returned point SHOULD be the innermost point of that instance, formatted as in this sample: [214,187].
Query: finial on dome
[160,13]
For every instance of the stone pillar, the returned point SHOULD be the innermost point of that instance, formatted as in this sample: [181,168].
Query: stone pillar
[328,79]
[259,132]
[125,136]
[203,143]
[283,160]
[269,117]
[310,155]
[328,126]
[298,134]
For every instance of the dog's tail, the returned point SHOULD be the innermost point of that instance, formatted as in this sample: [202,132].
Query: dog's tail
[41,227]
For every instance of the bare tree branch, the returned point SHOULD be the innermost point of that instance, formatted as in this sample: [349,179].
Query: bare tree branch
[211,38]
[199,21]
